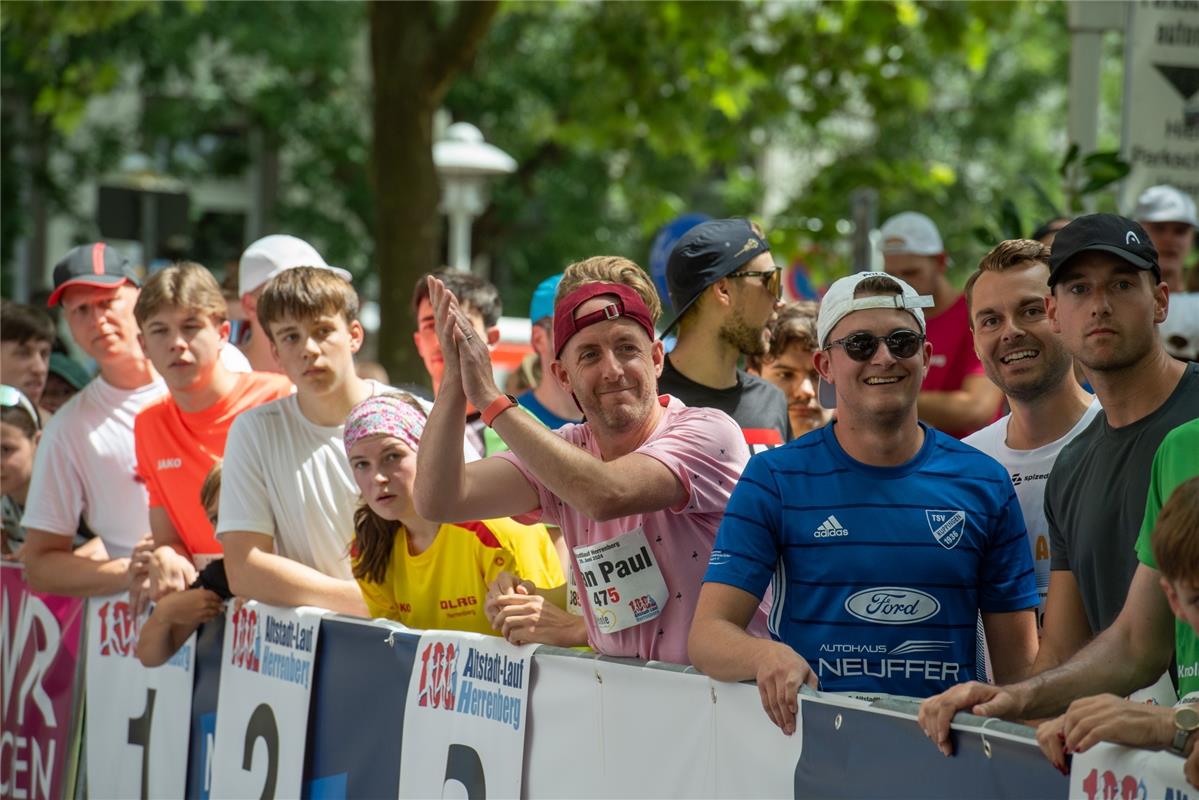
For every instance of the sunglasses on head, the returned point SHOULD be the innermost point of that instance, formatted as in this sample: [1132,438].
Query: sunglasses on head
[774,279]
[12,397]
[862,346]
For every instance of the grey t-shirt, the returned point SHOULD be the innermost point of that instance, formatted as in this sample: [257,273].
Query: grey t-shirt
[1095,499]
[758,406]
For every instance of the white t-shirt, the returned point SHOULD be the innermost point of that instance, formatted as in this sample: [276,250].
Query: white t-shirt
[289,478]
[1029,470]
[86,466]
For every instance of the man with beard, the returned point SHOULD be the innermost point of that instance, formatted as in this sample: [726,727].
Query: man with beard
[638,489]
[1029,364]
[956,396]
[725,287]
[1107,299]
[884,538]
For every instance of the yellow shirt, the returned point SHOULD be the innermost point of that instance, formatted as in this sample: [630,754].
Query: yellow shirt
[444,587]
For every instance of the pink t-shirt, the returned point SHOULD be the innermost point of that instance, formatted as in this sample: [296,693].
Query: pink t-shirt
[954,358]
[706,450]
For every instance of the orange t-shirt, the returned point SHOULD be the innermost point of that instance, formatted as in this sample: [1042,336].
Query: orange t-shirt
[176,450]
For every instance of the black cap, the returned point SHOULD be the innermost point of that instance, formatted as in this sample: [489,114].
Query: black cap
[94,264]
[1110,233]
[704,255]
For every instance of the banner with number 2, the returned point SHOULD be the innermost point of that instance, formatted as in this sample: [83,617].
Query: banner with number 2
[262,709]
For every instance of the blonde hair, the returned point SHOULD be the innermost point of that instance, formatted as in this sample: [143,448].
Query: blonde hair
[210,490]
[611,269]
[303,293]
[1006,255]
[186,285]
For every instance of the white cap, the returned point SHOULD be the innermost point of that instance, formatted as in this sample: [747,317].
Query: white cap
[839,301]
[1165,204]
[911,232]
[270,255]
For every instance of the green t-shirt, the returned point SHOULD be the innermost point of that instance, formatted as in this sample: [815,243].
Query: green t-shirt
[1177,460]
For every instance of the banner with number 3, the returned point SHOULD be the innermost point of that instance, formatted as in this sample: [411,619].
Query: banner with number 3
[262,708]
[138,719]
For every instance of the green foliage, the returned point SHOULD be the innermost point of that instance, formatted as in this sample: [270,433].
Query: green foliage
[624,115]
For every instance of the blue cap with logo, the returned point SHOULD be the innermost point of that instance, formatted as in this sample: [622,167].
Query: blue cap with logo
[542,305]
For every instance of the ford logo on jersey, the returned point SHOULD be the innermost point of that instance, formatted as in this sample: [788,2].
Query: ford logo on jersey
[892,605]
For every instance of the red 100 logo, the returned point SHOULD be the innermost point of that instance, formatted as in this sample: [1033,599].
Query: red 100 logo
[438,676]
[246,640]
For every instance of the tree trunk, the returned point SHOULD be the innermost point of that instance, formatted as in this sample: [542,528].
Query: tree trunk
[413,61]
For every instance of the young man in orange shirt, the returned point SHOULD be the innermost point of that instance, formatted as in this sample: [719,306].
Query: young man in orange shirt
[178,438]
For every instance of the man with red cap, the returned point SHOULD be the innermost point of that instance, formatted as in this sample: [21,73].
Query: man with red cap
[86,466]
[638,489]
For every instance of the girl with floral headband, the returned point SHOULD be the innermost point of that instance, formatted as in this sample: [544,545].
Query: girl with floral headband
[426,574]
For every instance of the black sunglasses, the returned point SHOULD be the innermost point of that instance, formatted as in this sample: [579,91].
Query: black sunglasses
[774,279]
[861,346]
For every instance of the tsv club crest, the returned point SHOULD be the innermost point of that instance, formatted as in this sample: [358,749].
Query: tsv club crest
[948,527]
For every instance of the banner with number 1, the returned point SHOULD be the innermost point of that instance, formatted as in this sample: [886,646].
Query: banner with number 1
[138,719]
[262,708]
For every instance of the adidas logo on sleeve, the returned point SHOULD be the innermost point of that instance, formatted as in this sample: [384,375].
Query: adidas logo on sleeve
[829,528]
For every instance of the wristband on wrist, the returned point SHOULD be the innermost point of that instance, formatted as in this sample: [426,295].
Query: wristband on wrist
[498,406]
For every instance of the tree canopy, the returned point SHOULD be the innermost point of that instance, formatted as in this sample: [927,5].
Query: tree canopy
[621,116]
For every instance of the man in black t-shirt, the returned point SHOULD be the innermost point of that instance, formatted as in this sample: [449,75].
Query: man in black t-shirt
[1106,300]
[725,287]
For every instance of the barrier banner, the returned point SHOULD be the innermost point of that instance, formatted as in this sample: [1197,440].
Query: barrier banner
[205,688]
[137,725]
[39,654]
[262,708]
[1111,771]
[464,721]
[645,759]
[557,736]
[352,745]
[837,732]
[746,736]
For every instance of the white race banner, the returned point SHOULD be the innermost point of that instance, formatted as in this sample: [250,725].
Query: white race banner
[267,665]
[1161,97]
[138,719]
[464,721]
[1113,771]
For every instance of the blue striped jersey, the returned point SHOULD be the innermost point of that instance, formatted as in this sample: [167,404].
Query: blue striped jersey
[879,573]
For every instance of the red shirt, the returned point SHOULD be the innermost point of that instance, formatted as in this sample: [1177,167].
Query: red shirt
[176,450]
[954,358]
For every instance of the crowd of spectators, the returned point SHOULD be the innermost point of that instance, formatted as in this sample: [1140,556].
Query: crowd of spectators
[987,498]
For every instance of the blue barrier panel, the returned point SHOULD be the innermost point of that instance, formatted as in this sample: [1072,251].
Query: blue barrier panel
[207,680]
[839,742]
[356,717]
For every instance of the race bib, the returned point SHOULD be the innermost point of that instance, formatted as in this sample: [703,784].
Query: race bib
[623,583]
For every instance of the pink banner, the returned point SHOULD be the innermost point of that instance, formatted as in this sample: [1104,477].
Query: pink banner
[40,638]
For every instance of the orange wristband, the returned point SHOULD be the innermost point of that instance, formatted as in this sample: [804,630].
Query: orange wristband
[498,406]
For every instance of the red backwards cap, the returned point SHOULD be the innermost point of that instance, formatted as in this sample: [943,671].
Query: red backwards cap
[628,304]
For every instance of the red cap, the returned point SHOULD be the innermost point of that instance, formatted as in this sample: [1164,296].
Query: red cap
[628,304]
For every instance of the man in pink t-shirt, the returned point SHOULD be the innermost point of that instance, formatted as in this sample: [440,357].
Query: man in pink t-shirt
[956,397]
[638,489]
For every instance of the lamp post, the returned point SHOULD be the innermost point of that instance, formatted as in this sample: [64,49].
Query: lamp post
[464,162]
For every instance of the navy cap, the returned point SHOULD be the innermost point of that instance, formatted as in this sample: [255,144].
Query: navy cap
[1109,233]
[94,264]
[705,254]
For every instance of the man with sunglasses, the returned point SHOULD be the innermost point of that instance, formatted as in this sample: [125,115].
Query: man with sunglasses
[956,396]
[884,537]
[725,288]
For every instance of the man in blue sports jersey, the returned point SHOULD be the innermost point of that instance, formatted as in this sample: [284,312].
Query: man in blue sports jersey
[885,538]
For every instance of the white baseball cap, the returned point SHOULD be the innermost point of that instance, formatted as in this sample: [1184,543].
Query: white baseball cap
[910,232]
[1165,204]
[839,301]
[270,255]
